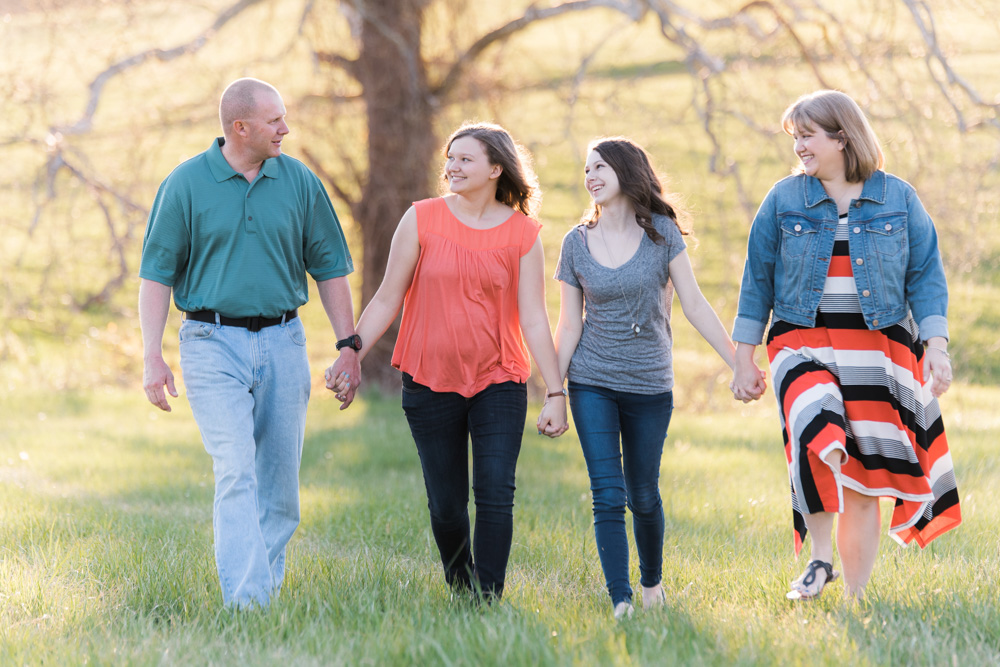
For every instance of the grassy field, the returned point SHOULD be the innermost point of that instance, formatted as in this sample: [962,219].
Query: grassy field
[106,554]
[105,503]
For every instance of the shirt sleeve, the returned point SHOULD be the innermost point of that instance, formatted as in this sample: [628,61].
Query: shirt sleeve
[565,269]
[675,240]
[166,245]
[528,234]
[757,284]
[926,285]
[325,250]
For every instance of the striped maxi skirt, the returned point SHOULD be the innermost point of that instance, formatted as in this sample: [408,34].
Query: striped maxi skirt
[862,392]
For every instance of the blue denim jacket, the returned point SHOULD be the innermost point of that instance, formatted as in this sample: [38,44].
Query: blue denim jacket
[893,247]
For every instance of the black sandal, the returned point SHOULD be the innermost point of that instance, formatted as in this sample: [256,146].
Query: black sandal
[809,577]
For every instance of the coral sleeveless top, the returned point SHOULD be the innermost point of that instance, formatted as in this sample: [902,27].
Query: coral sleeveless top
[460,330]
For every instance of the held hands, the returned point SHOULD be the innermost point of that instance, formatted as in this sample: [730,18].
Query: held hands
[156,374]
[552,419]
[937,363]
[344,377]
[749,382]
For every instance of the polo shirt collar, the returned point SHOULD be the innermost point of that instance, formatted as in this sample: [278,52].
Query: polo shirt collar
[270,168]
[223,171]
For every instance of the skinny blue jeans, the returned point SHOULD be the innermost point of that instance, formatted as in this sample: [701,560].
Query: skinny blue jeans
[442,424]
[622,438]
[248,392]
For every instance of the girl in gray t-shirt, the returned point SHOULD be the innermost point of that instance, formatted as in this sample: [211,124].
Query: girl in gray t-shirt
[618,270]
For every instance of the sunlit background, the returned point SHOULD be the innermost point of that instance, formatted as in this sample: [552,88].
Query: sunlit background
[106,503]
[102,98]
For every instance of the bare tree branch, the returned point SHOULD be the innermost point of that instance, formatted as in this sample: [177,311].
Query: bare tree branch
[634,9]
[348,65]
[306,11]
[163,55]
[924,20]
[318,167]
[117,249]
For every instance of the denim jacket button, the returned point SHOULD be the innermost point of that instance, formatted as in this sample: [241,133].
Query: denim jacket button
[859,261]
[857,230]
[888,228]
[798,228]
[875,323]
[857,204]
[866,293]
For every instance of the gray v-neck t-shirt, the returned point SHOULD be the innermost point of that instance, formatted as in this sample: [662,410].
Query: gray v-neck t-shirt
[609,353]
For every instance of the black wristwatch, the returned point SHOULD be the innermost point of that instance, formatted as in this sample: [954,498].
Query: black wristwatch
[353,342]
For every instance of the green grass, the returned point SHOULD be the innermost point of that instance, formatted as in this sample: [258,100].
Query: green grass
[106,551]
[105,503]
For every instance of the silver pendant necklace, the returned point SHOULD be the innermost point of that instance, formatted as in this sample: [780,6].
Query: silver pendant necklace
[636,329]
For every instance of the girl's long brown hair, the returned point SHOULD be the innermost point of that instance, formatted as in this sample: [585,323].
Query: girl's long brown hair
[639,183]
[517,185]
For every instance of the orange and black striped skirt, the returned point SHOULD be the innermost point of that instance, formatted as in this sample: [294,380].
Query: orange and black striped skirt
[841,386]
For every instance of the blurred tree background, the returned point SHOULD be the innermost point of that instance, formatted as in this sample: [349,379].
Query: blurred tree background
[102,98]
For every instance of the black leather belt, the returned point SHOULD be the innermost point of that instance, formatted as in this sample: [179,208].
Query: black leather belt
[251,323]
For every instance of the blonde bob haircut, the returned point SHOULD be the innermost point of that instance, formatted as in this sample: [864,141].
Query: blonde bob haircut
[839,117]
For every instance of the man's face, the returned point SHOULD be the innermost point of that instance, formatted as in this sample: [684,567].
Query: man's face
[266,127]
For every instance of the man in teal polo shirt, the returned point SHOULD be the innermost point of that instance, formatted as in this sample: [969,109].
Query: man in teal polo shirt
[233,232]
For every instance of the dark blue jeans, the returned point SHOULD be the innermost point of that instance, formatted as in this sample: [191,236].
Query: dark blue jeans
[442,424]
[622,437]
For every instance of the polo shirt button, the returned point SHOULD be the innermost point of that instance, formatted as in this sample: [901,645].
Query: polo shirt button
[798,228]
[866,293]
[875,323]
[888,227]
[249,217]
[859,261]
[857,230]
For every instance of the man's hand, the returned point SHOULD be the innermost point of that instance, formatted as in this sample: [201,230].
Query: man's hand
[344,377]
[155,375]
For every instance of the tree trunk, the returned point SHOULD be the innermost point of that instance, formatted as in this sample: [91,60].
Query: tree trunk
[400,147]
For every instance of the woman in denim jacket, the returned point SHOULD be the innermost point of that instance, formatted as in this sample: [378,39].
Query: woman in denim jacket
[844,260]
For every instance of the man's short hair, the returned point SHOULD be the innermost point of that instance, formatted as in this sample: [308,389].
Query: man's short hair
[239,100]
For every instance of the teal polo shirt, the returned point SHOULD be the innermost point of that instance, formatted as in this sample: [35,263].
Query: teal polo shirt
[242,249]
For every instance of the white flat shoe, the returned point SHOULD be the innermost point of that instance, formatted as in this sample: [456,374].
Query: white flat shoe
[623,610]
[656,599]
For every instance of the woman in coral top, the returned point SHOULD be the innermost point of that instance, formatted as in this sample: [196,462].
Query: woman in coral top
[468,270]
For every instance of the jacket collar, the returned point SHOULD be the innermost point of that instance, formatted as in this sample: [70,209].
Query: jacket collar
[873,190]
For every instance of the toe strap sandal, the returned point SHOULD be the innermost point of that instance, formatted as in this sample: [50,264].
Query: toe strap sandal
[801,587]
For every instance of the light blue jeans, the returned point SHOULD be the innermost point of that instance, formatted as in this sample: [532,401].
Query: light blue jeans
[248,392]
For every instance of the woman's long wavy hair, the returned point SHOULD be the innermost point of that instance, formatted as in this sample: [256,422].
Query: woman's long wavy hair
[639,183]
[517,185]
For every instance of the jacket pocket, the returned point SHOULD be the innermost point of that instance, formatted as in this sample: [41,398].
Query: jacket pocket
[887,235]
[798,234]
